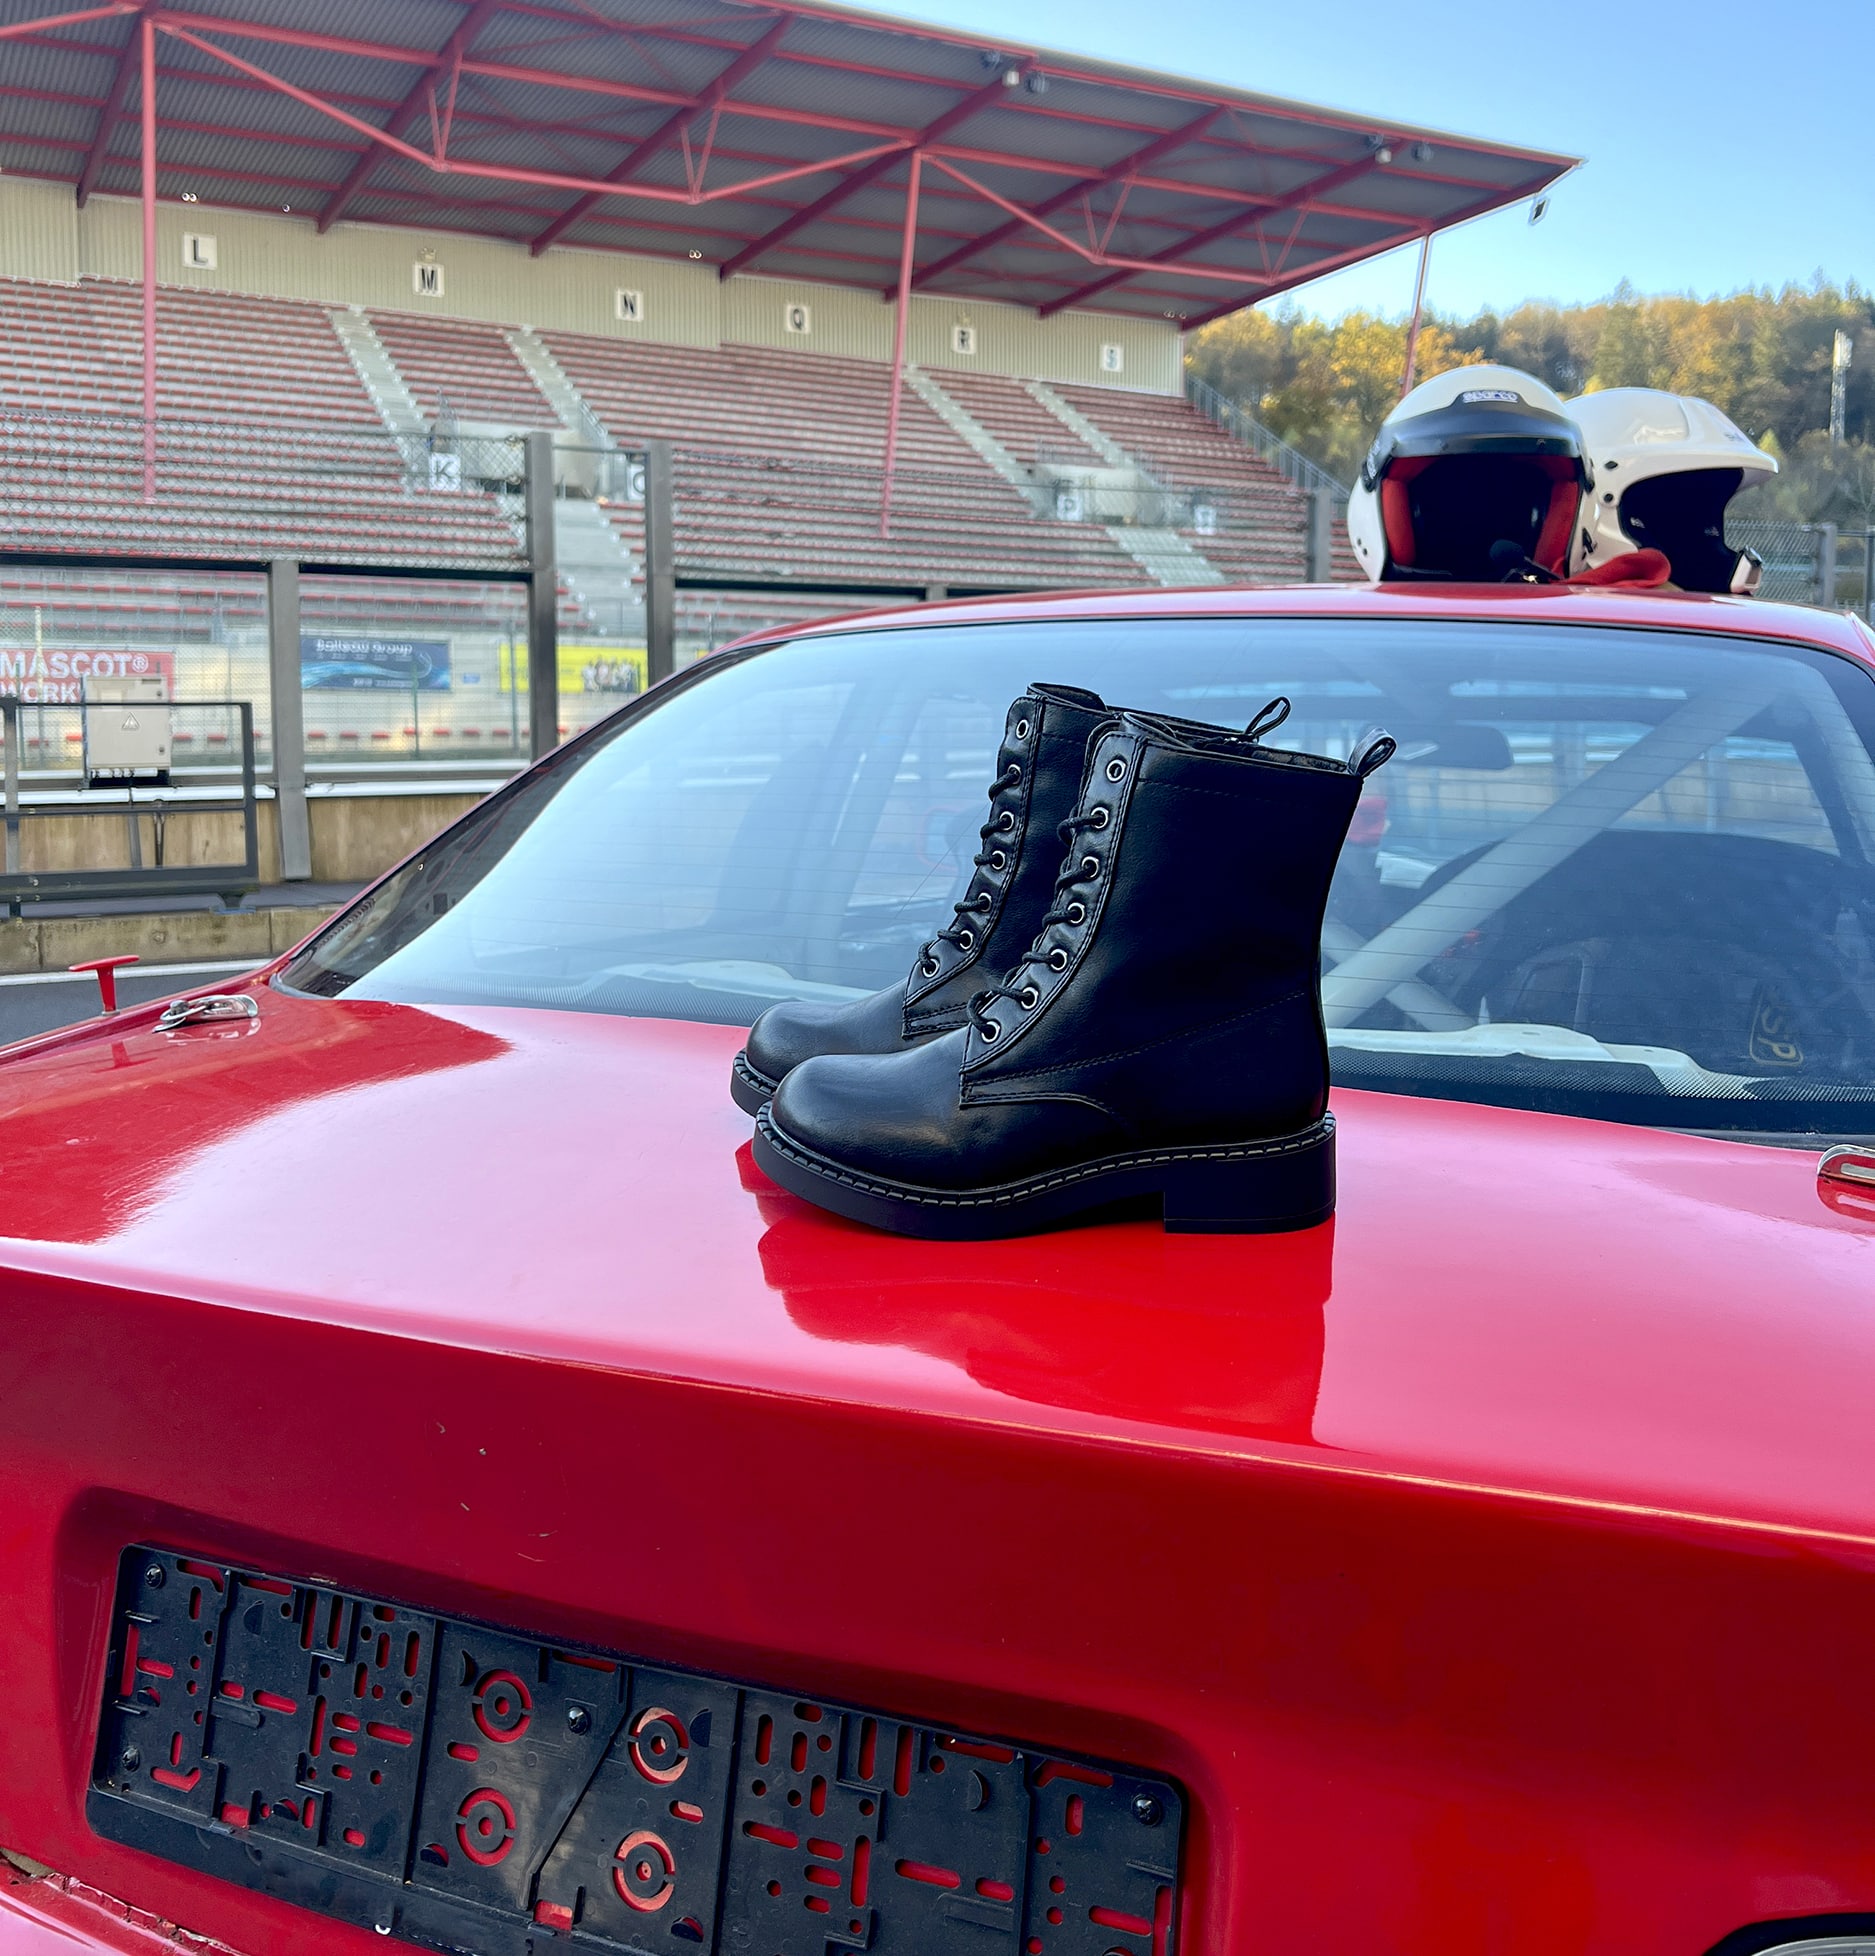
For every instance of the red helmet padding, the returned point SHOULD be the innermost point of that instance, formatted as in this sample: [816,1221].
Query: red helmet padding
[1552,543]
[1396,514]
[1644,569]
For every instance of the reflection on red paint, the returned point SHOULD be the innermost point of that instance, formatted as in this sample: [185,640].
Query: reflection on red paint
[1227,1328]
[192,1098]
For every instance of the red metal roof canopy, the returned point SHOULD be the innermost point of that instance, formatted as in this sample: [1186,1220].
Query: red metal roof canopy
[772,137]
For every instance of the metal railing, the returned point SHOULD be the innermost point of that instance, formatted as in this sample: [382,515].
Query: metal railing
[1237,420]
[227,879]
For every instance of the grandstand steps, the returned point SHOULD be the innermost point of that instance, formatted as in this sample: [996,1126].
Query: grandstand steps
[390,392]
[1081,428]
[576,414]
[465,370]
[595,566]
[951,411]
[1164,555]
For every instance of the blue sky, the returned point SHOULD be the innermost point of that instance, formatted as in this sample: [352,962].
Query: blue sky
[1727,141]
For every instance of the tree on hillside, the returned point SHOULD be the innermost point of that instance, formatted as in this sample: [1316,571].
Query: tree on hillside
[1763,357]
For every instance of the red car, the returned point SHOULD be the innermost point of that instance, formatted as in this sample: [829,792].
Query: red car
[450,1496]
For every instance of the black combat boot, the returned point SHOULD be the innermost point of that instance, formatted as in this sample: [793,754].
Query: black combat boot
[1162,1038]
[1038,775]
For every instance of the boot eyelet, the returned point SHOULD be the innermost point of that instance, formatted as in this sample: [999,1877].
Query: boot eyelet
[984,900]
[1116,769]
[929,967]
[1077,913]
[1013,773]
[966,938]
[998,860]
[1022,730]
[1090,865]
[1057,959]
[1029,996]
[991,1032]
[1106,816]
[1007,820]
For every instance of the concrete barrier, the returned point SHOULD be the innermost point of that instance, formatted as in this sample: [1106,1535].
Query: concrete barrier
[356,835]
[156,938]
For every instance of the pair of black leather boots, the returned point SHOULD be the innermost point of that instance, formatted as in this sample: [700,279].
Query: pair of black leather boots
[1140,1020]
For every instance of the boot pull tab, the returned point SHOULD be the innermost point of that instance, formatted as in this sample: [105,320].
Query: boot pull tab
[1374,748]
[1268,720]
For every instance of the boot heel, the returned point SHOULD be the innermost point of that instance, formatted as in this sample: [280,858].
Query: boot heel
[1262,1194]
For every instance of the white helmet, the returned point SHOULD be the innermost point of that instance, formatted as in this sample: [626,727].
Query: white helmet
[1665,467]
[1475,476]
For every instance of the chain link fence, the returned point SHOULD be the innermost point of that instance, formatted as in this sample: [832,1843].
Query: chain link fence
[1812,563]
[330,493]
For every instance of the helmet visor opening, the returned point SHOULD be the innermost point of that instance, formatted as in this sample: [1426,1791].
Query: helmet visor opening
[1457,508]
[1683,515]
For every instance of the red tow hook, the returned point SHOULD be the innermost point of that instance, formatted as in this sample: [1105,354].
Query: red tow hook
[106,972]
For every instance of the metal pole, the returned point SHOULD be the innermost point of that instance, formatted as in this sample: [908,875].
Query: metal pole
[10,711]
[291,816]
[660,564]
[148,28]
[907,246]
[1826,565]
[1319,542]
[543,600]
[1412,330]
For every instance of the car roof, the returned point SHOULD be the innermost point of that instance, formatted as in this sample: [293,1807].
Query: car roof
[1547,604]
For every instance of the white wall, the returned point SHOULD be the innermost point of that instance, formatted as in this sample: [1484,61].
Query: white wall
[44,236]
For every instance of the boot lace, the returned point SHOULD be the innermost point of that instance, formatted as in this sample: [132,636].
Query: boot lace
[1066,908]
[1000,827]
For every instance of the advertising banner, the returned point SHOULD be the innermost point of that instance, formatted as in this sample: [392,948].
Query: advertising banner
[58,678]
[373,665]
[618,670]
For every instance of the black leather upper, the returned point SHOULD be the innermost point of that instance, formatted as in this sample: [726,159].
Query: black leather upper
[1175,1000]
[1038,775]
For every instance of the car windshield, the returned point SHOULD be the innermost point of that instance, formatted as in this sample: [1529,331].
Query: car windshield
[1611,871]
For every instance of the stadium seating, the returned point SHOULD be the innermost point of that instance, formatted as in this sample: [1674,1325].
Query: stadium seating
[271,444]
[1259,536]
[778,474]
[268,442]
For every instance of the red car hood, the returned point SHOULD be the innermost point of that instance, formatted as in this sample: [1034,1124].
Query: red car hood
[1550,1308]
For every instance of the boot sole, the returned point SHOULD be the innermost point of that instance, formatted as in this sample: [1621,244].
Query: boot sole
[749,1089]
[1259,1188]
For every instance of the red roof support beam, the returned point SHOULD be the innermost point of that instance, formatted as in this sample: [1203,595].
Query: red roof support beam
[1320,267]
[14,28]
[1140,159]
[107,116]
[744,65]
[1225,274]
[408,109]
[508,173]
[1229,227]
[958,112]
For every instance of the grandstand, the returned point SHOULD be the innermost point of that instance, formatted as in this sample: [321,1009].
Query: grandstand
[315,340]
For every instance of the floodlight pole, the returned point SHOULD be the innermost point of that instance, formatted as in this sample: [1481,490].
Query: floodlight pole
[147,27]
[907,248]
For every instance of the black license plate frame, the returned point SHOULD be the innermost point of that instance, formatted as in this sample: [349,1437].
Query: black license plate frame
[471,1788]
